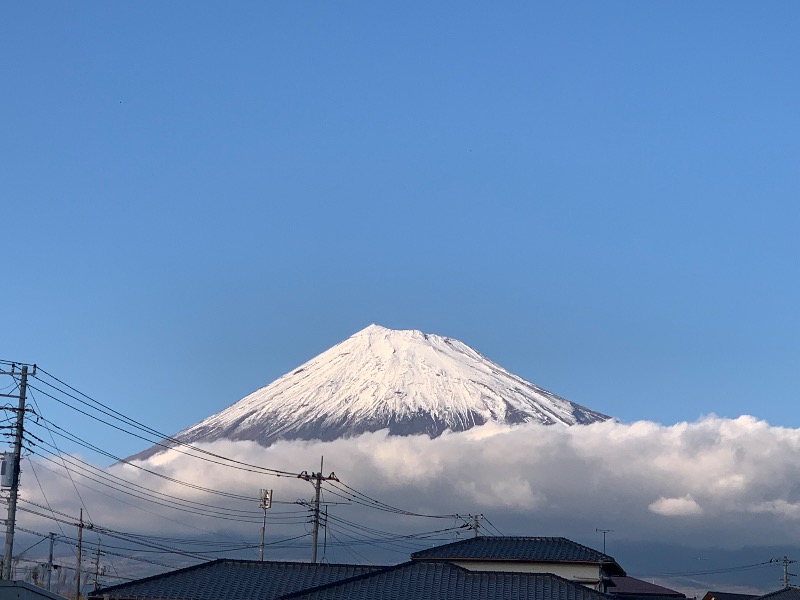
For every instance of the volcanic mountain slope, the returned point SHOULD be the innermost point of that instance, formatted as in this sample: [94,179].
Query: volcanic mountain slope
[408,382]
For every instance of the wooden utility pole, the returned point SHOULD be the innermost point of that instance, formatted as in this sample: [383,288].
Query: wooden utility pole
[316,479]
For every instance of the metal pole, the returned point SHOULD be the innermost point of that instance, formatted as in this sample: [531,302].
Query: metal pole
[261,547]
[96,566]
[316,479]
[12,500]
[265,503]
[78,568]
[315,533]
[50,560]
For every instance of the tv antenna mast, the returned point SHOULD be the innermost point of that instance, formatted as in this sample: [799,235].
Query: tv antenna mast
[604,532]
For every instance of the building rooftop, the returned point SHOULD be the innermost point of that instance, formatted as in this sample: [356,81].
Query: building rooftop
[424,580]
[630,586]
[790,593]
[524,549]
[226,579]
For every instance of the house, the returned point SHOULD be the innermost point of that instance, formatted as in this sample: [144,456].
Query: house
[22,590]
[787,593]
[431,580]
[630,588]
[557,555]
[482,567]
[226,579]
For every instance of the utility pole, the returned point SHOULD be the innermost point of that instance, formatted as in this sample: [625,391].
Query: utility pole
[96,566]
[316,479]
[476,524]
[786,562]
[12,499]
[78,567]
[266,504]
[50,560]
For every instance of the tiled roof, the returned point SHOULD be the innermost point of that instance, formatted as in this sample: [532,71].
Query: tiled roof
[233,580]
[422,580]
[528,549]
[789,593]
[630,586]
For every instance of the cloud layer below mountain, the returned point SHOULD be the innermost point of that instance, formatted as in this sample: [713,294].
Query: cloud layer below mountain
[729,482]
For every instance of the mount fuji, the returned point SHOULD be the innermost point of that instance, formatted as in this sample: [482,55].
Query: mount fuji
[407,381]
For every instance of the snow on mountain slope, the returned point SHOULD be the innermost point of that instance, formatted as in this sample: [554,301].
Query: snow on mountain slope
[407,381]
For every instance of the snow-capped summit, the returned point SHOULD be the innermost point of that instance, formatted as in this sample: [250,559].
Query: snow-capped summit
[406,381]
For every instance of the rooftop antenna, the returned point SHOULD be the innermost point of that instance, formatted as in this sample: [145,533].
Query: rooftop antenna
[604,532]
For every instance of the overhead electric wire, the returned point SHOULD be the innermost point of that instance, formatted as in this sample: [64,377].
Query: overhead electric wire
[119,485]
[81,442]
[103,408]
[485,518]
[83,504]
[72,541]
[380,538]
[352,552]
[144,492]
[760,565]
[354,495]
[144,509]
[16,363]
[165,550]
[18,556]
[191,510]
[43,494]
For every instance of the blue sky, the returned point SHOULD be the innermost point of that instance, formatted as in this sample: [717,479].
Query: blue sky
[601,197]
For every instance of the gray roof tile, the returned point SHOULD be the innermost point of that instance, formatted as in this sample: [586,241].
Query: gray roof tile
[233,580]
[422,580]
[790,593]
[630,587]
[529,549]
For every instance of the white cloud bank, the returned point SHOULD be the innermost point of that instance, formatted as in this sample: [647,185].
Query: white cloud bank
[728,482]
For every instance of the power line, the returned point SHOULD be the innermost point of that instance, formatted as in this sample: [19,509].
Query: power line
[83,504]
[139,491]
[108,411]
[74,438]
